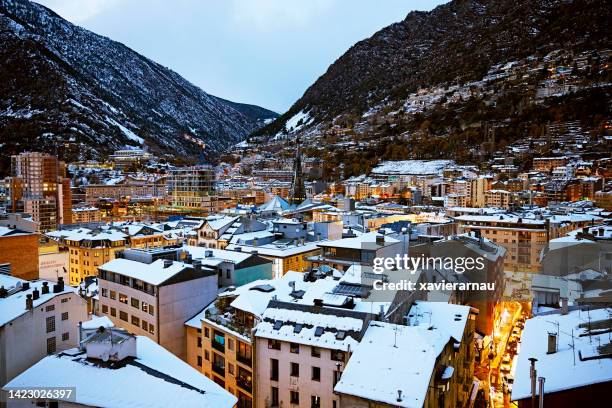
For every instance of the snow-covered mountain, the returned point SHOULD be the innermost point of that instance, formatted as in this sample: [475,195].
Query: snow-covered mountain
[455,43]
[66,89]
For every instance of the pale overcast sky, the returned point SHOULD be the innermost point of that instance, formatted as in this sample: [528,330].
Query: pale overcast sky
[265,52]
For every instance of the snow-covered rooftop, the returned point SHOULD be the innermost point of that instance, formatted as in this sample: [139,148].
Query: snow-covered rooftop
[155,378]
[14,305]
[154,273]
[558,368]
[390,358]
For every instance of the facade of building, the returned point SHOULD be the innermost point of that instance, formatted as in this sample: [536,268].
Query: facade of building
[36,319]
[39,187]
[86,214]
[88,249]
[191,187]
[155,299]
[19,252]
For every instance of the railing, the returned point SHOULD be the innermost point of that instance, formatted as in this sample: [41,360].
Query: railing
[244,384]
[244,360]
[219,369]
[218,346]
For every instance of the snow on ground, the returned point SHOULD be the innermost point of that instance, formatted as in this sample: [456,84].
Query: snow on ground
[127,132]
[417,167]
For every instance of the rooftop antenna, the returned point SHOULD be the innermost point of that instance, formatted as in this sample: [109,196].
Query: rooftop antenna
[395,337]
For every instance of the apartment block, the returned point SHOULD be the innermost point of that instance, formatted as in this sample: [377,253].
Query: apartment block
[36,319]
[154,298]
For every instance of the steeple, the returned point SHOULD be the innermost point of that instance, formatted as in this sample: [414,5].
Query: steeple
[298,191]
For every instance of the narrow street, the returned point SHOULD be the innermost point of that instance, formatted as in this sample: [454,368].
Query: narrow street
[496,370]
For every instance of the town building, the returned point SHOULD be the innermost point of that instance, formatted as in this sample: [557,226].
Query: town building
[191,187]
[86,215]
[19,248]
[572,355]
[39,187]
[36,319]
[114,368]
[431,361]
[153,296]
[88,249]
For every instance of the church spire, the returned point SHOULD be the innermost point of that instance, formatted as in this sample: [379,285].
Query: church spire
[298,191]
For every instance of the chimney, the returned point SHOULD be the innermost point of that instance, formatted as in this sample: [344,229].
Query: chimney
[29,302]
[533,374]
[35,294]
[197,265]
[380,239]
[25,286]
[541,401]
[45,288]
[80,345]
[552,343]
[59,286]
[3,292]
[167,263]
[208,253]
[399,395]
[564,306]
[238,249]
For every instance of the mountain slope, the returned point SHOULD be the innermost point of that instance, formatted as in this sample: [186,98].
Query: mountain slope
[66,89]
[454,43]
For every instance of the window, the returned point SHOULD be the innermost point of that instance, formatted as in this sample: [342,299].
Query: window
[135,303]
[315,401]
[104,292]
[200,361]
[337,355]
[113,295]
[145,326]
[135,321]
[206,355]
[123,315]
[199,342]
[294,397]
[65,336]
[105,309]
[295,370]
[151,329]
[274,344]
[123,298]
[230,344]
[113,312]
[230,368]
[145,307]
[315,352]
[50,308]
[65,316]
[50,324]
[294,348]
[151,310]
[316,374]
[273,369]
[228,274]
[51,345]
[274,397]
[206,332]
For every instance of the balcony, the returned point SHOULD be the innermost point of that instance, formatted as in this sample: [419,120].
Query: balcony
[218,346]
[227,317]
[244,383]
[246,360]
[219,369]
